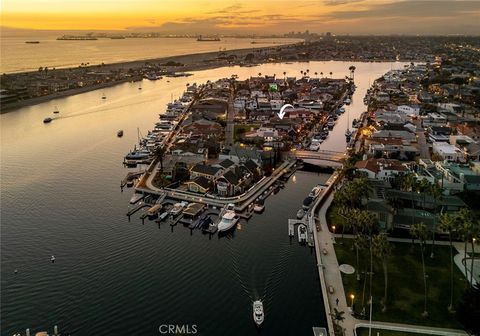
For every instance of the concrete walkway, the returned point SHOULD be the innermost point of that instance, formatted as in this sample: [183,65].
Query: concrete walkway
[331,273]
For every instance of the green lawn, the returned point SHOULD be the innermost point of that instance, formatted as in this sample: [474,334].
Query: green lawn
[383,332]
[406,290]
[241,129]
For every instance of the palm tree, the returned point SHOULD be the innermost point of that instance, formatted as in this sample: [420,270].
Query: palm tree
[359,243]
[344,211]
[316,74]
[337,317]
[259,74]
[331,73]
[301,71]
[352,69]
[321,74]
[419,231]
[436,192]
[382,249]
[284,74]
[447,224]
[160,153]
[464,228]
[474,234]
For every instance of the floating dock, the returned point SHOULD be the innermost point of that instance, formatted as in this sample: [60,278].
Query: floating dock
[130,177]
[136,208]
[307,221]
[291,226]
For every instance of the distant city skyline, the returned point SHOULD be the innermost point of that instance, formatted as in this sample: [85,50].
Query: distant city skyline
[257,17]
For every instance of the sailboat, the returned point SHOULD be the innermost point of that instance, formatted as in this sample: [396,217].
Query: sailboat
[103,96]
[56,110]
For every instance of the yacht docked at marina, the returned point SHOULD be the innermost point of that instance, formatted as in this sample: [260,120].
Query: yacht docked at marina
[229,220]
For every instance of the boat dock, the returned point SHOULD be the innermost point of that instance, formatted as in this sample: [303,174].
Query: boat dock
[136,208]
[131,176]
[309,222]
[174,221]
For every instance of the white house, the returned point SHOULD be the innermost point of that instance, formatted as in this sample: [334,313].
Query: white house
[382,169]
[276,104]
[410,110]
[448,152]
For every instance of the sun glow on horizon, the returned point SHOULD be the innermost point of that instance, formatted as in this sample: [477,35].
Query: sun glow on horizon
[268,16]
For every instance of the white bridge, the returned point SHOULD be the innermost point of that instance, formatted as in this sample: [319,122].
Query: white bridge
[321,157]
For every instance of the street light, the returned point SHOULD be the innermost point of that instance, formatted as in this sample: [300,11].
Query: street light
[352,297]
[333,229]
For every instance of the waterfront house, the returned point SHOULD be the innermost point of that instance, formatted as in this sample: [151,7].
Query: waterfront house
[234,181]
[199,184]
[209,172]
[381,169]
[204,127]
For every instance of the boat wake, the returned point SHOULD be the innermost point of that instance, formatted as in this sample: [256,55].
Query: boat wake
[251,275]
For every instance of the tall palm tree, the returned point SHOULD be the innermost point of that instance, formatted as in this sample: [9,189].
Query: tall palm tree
[419,231]
[284,75]
[352,69]
[474,234]
[464,228]
[337,317]
[259,74]
[345,212]
[160,153]
[447,224]
[437,193]
[316,74]
[382,250]
[321,74]
[331,73]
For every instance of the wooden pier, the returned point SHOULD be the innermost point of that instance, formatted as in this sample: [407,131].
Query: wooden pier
[136,208]
[130,177]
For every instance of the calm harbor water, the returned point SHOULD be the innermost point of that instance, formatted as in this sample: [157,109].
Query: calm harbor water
[60,196]
[20,56]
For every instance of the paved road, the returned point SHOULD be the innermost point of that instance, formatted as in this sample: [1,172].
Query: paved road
[229,130]
[422,141]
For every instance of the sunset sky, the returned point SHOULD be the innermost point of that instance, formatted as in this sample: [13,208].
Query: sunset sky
[247,16]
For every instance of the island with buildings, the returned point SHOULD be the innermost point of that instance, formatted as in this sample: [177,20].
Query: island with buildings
[404,194]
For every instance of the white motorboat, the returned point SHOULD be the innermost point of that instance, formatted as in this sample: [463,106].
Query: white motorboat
[258,313]
[302,233]
[300,213]
[259,206]
[229,220]
[316,191]
[178,208]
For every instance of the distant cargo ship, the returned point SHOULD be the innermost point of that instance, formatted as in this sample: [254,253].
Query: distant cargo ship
[77,38]
[208,39]
[32,42]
